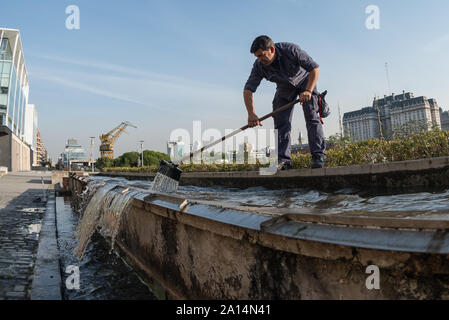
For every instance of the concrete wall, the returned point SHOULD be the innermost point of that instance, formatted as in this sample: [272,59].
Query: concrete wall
[20,155]
[204,252]
[423,174]
[14,153]
[3,171]
[5,147]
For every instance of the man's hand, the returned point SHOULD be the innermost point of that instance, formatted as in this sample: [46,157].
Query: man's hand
[311,83]
[305,96]
[253,120]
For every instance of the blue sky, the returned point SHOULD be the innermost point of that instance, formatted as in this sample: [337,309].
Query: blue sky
[163,64]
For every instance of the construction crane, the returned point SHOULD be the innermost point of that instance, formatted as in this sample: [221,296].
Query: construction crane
[108,139]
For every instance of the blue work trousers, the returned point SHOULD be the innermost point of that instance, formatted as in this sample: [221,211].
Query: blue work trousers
[283,123]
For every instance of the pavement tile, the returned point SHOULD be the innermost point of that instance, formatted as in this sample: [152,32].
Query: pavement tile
[18,247]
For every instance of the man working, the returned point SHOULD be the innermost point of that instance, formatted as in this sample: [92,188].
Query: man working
[294,72]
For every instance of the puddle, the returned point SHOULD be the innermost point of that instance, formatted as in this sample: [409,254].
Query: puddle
[34,228]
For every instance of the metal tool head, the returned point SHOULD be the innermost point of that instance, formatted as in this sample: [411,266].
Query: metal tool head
[170,170]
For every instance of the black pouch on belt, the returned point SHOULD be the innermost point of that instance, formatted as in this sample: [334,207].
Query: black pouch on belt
[323,106]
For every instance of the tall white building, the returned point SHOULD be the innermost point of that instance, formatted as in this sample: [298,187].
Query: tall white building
[17,130]
[444,117]
[175,149]
[31,131]
[391,113]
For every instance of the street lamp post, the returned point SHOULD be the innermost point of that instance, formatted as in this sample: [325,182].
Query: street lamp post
[141,151]
[68,160]
[91,152]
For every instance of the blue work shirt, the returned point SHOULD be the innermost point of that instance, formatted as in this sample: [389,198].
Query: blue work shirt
[291,67]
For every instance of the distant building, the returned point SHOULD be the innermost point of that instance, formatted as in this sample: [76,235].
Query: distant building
[31,132]
[18,119]
[246,147]
[301,147]
[175,149]
[301,139]
[444,118]
[393,112]
[74,153]
[41,152]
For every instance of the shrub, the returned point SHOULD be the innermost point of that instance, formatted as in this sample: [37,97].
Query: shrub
[409,146]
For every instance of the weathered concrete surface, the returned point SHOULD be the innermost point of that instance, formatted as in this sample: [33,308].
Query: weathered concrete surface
[3,171]
[14,153]
[202,252]
[47,276]
[60,180]
[21,212]
[411,174]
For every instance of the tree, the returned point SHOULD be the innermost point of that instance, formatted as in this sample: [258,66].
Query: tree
[104,163]
[409,128]
[153,158]
[129,159]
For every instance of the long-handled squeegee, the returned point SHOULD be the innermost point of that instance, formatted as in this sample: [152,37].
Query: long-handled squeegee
[168,174]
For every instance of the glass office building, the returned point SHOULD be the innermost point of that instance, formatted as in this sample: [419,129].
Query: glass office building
[17,141]
[74,152]
[13,82]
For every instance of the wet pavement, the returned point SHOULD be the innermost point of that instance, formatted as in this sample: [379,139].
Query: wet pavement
[21,213]
[102,274]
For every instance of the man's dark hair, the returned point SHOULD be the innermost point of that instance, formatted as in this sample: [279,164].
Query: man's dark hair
[261,42]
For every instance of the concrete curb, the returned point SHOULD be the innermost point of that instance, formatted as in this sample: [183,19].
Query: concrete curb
[427,173]
[47,276]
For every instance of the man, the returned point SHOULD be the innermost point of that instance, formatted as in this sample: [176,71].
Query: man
[294,72]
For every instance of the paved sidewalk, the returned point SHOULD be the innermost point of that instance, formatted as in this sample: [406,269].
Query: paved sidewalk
[21,213]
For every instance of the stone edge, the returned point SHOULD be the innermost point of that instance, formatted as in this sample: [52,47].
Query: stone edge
[47,276]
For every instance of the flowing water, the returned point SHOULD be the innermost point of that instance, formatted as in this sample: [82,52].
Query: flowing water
[106,201]
[162,183]
[103,275]
[104,210]
[431,204]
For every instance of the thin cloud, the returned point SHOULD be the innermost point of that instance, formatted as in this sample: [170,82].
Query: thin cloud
[143,84]
[120,69]
[437,45]
[91,89]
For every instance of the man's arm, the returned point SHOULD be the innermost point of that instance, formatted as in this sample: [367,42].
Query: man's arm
[311,83]
[251,86]
[311,67]
[313,79]
[253,119]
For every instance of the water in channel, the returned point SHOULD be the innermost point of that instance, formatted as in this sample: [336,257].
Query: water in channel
[103,275]
[427,204]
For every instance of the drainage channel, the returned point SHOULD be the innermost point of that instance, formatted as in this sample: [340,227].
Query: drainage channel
[100,274]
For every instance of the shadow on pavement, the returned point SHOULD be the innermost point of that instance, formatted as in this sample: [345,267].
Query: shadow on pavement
[20,223]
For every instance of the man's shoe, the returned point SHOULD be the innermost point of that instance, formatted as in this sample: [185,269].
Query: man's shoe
[317,161]
[285,166]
